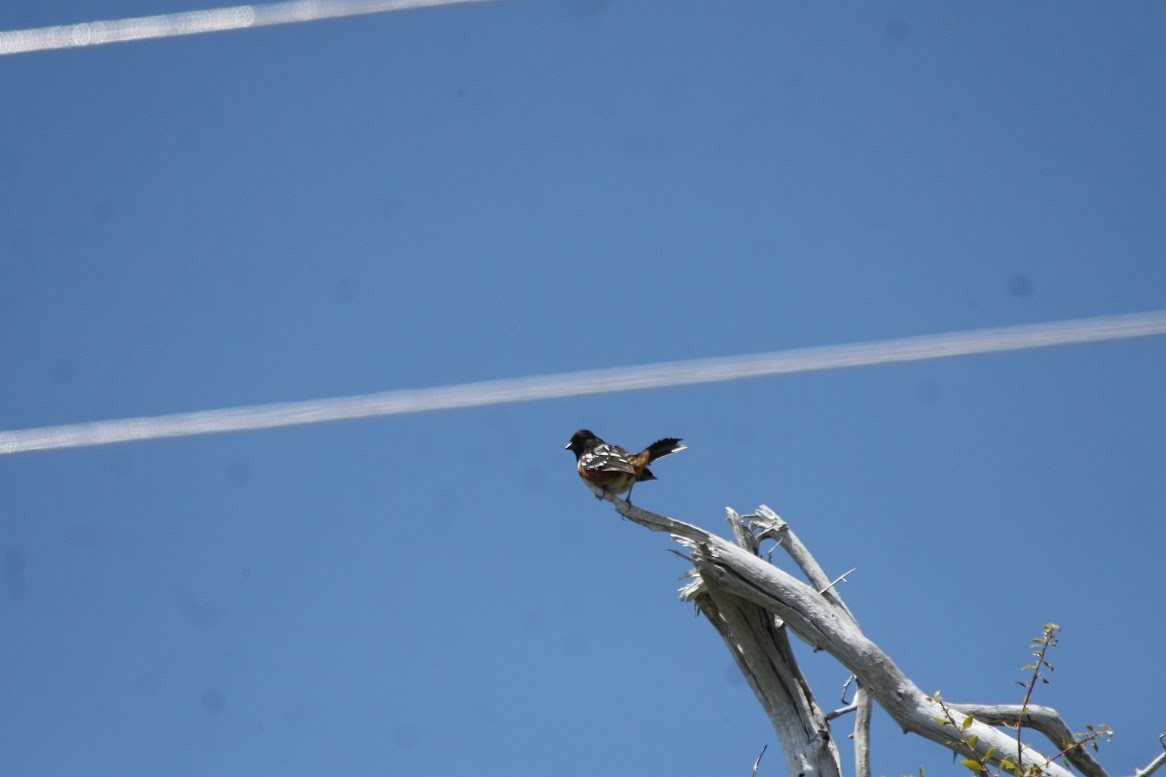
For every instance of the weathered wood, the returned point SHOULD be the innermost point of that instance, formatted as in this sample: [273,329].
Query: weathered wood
[733,586]
[862,732]
[1039,718]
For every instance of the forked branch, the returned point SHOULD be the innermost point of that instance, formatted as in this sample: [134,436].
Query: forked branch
[751,603]
[1039,718]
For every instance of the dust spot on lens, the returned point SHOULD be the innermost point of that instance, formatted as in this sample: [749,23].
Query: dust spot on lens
[203,615]
[1020,285]
[213,701]
[897,30]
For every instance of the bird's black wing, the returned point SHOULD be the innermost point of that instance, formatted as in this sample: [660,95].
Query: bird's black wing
[607,458]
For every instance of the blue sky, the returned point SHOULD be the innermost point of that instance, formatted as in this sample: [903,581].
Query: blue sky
[518,188]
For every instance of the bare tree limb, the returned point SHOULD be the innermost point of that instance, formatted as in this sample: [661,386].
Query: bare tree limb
[760,646]
[846,686]
[741,532]
[862,733]
[840,579]
[728,578]
[1039,718]
[765,657]
[757,763]
[1156,764]
[772,526]
[818,623]
[656,522]
[835,714]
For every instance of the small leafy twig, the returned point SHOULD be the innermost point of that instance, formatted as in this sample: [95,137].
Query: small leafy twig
[1089,737]
[976,763]
[1047,640]
[1044,720]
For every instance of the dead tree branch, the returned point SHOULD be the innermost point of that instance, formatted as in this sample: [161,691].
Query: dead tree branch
[771,526]
[1156,764]
[862,733]
[1042,719]
[761,648]
[741,593]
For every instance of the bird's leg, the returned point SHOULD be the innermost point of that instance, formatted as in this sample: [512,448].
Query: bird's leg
[628,498]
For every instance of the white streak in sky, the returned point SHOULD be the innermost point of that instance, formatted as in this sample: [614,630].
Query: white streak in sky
[196,22]
[575,384]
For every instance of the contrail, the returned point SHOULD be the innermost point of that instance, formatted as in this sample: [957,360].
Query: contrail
[574,384]
[171,25]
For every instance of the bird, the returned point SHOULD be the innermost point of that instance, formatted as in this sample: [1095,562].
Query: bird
[609,470]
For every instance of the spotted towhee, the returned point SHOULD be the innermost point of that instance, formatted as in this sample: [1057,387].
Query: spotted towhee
[610,470]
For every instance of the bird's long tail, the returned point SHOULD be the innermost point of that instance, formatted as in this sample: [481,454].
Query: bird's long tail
[662,448]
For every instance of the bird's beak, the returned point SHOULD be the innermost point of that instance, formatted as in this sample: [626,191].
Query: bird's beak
[567,447]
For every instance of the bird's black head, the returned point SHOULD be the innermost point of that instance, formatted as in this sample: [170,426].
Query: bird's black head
[581,441]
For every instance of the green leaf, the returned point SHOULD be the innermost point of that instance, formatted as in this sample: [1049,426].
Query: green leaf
[975,766]
[967,722]
[973,741]
[991,751]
